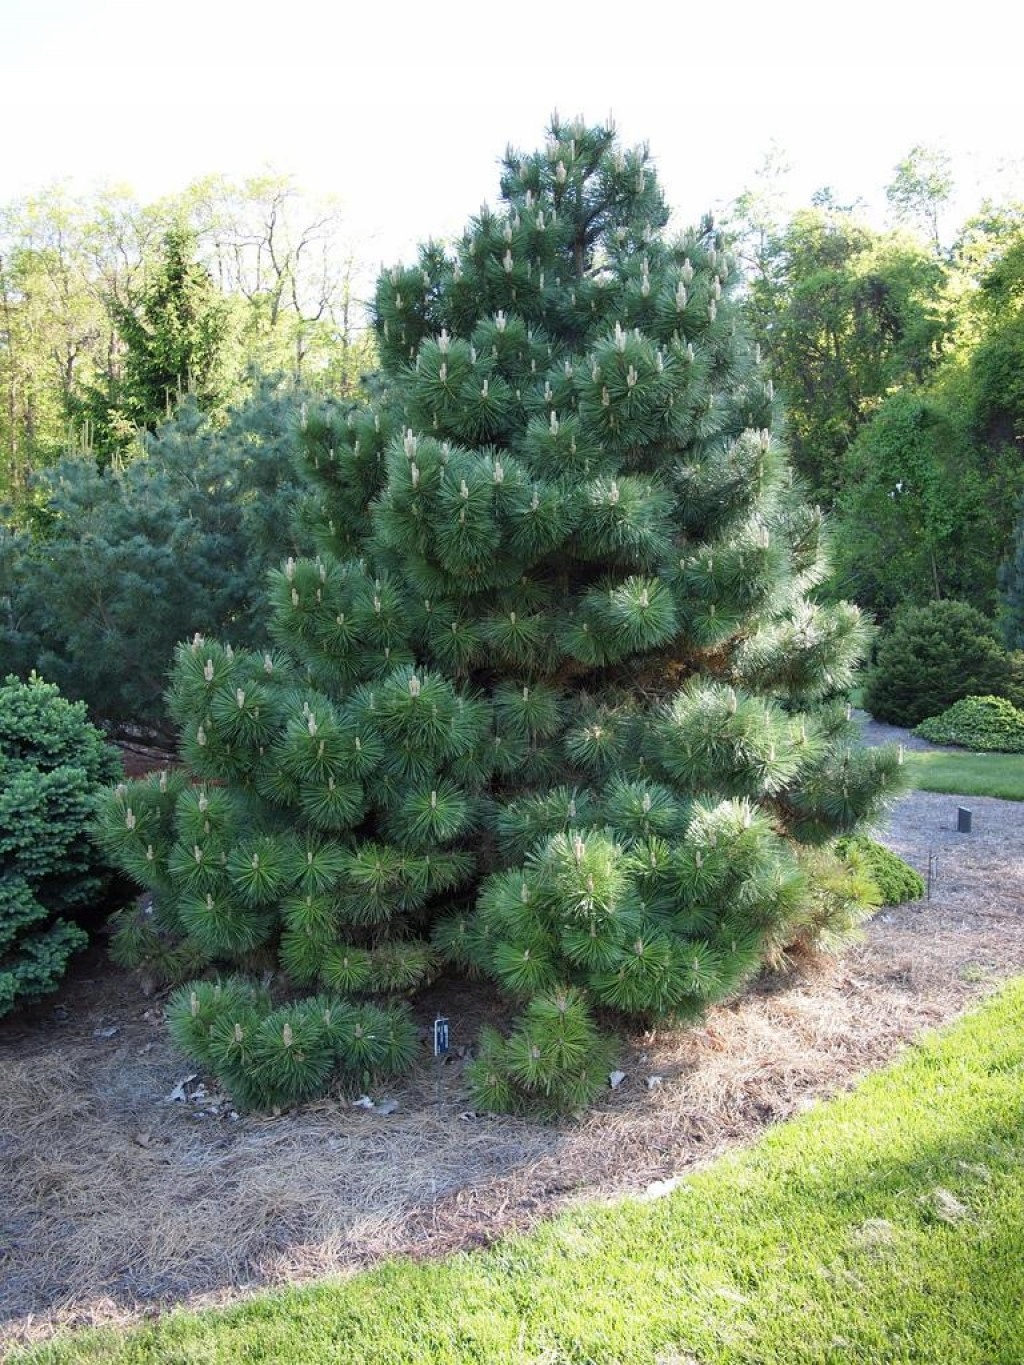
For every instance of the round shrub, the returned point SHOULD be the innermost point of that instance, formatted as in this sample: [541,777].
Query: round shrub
[896,880]
[53,763]
[932,656]
[984,724]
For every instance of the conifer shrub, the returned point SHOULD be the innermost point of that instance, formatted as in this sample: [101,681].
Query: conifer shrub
[984,724]
[551,700]
[53,765]
[126,560]
[273,1057]
[842,893]
[930,657]
[896,880]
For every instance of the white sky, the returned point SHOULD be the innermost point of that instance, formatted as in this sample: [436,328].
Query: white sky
[402,109]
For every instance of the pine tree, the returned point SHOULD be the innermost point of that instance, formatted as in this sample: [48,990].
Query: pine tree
[131,559]
[554,701]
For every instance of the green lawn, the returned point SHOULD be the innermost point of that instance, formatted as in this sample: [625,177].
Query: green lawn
[886,1226]
[967,774]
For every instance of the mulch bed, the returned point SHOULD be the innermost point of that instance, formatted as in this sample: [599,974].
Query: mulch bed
[127,1188]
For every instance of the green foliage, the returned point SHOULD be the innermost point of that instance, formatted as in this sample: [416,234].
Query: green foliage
[845,315]
[551,702]
[997,406]
[896,880]
[984,724]
[176,335]
[53,763]
[275,1057]
[843,893]
[930,657]
[128,561]
[1011,587]
[915,514]
[553,1062]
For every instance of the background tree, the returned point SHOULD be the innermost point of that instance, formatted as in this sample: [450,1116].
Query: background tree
[844,314]
[80,286]
[1011,587]
[176,340]
[916,515]
[50,323]
[929,485]
[61,262]
[127,561]
[290,260]
[553,701]
[921,186]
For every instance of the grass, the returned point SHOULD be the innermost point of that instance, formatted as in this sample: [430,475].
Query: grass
[885,1226]
[967,774]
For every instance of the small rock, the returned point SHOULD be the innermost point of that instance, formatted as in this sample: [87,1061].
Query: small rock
[142,1139]
[106,1032]
[615,1079]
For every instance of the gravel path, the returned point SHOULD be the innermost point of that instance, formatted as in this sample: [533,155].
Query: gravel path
[977,873]
[876,732]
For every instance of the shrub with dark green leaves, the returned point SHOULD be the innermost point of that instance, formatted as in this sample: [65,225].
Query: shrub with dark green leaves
[896,880]
[930,657]
[984,724]
[53,763]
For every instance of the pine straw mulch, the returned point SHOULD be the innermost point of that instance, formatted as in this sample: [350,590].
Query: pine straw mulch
[118,1202]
